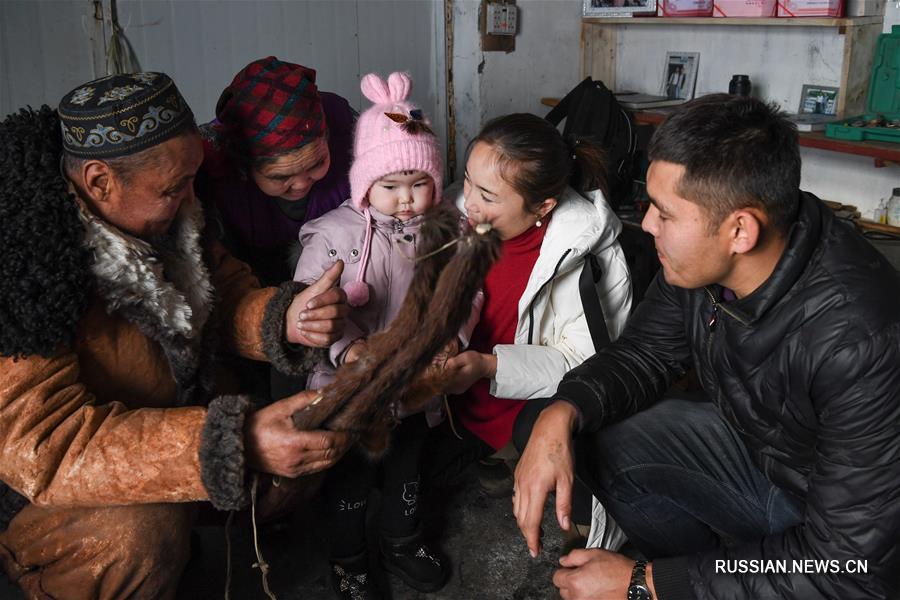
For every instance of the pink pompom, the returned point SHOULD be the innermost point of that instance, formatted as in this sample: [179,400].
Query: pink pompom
[357,293]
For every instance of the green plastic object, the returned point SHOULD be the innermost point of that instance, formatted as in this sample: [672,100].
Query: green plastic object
[884,96]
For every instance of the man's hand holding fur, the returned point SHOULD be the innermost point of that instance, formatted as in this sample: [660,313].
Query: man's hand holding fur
[274,445]
[315,317]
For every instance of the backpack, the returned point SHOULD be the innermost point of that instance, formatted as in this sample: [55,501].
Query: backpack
[592,111]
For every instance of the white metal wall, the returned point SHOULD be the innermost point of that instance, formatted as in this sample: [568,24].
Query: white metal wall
[45,48]
[45,51]
[546,63]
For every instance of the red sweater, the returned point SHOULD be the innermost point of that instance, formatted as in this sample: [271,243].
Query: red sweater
[489,417]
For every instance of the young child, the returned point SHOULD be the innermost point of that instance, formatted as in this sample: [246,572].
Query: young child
[395,177]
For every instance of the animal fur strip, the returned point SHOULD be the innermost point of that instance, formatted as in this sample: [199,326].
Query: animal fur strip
[395,366]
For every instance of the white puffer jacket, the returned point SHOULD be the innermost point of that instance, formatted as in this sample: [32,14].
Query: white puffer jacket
[552,333]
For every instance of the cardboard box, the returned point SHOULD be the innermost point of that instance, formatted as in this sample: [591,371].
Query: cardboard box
[810,8]
[685,8]
[745,8]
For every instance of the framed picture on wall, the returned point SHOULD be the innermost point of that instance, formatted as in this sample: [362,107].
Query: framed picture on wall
[818,107]
[818,100]
[618,8]
[680,75]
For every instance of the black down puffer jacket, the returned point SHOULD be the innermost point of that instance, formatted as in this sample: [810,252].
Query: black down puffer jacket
[807,371]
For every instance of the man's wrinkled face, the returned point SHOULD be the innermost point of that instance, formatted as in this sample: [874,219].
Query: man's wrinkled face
[145,203]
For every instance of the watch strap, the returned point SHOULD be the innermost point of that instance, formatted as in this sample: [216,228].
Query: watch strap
[637,588]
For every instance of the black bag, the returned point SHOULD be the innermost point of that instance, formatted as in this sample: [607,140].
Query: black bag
[592,111]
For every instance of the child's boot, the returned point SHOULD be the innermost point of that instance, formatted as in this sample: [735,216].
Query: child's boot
[421,566]
[351,579]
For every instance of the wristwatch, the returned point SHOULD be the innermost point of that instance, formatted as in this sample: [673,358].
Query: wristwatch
[637,589]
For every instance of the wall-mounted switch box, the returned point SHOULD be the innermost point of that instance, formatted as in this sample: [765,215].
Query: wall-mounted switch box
[501,19]
[498,21]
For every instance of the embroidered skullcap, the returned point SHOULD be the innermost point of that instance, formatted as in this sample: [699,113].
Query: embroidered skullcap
[120,115]
[271,107]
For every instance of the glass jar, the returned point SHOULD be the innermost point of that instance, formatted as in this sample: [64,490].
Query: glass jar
[893,208]
[739,85]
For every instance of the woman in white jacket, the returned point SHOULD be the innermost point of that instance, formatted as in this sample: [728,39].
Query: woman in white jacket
[520,176]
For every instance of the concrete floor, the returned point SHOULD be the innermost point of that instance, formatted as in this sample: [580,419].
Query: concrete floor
[488,556]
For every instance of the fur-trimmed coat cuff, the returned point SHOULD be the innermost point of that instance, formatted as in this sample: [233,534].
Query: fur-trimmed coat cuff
[223,465]
[289,359]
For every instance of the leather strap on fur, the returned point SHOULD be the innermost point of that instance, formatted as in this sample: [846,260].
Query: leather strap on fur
[289,359]
[223,467]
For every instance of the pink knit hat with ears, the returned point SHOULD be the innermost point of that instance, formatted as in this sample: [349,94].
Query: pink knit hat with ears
[391,136]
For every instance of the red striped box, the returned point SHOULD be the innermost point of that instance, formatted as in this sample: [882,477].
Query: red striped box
[685,8]
[745,8]
[810,8]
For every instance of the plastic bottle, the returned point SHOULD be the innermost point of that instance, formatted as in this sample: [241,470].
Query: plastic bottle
[880,215]
[893,208]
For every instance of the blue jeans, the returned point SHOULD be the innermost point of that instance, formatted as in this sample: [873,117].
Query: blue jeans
[678,480]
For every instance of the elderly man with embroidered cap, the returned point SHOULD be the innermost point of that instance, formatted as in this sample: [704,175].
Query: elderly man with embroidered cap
[113,304]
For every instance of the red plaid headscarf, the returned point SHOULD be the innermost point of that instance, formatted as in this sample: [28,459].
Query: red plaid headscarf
[271,107]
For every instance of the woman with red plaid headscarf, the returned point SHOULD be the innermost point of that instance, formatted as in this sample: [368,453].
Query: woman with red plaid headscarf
[276,156]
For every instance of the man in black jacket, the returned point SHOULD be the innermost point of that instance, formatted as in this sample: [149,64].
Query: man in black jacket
[783,480]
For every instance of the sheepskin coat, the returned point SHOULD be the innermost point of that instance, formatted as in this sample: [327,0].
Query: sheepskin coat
[127,414]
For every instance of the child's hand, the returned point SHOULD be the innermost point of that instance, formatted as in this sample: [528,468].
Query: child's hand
[450,350]
[355,351]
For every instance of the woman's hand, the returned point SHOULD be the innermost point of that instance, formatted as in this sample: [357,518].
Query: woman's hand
[447,352]
[467,368]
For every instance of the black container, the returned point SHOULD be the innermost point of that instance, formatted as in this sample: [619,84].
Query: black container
[739,85]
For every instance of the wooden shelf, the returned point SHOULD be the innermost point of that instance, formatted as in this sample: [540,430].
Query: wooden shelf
[599,46]
[743,22]
[866,225]
[882,152]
